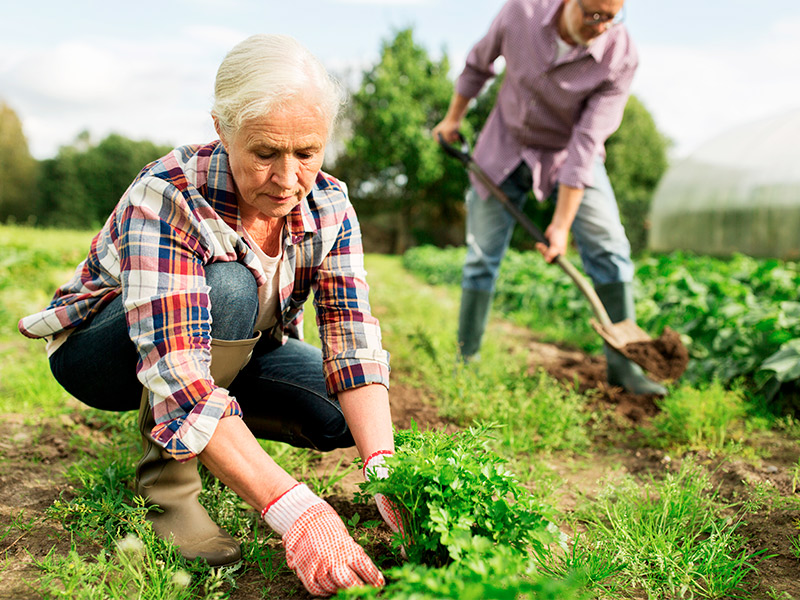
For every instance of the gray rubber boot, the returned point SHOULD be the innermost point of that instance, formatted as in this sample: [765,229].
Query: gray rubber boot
[618,300]
[472,319]
[175,486]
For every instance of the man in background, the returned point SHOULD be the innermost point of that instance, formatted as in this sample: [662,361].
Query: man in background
[569,67]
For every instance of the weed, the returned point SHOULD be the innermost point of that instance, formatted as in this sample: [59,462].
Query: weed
[495,572]
[130,570]
[324,484]
[672,537]
[707,418]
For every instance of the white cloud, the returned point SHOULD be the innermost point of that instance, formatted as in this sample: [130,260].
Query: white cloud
[697,93]
[160,92]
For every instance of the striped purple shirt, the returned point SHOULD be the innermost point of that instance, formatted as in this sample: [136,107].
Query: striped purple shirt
[555,114]
[179,215]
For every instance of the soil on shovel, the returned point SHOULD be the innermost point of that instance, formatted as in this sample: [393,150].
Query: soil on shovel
[665,358]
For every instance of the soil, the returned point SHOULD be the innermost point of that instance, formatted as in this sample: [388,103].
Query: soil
[664,358]
[34,465]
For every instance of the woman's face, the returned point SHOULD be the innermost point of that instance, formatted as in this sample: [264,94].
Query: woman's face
[275,159]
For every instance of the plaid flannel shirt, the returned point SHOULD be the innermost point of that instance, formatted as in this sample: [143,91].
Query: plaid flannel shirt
[179,215]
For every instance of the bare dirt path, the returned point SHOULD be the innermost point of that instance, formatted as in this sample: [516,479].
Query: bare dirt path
[33,463]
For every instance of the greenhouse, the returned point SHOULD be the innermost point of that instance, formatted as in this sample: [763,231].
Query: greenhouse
[738,192]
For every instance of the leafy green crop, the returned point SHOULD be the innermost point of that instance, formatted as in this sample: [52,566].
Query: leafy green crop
[497,573]
[740,318]
[456,495]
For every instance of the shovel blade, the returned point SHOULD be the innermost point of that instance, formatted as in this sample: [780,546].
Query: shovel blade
[665,358]
[619,335]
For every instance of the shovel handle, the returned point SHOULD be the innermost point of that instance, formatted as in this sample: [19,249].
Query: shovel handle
[583,285]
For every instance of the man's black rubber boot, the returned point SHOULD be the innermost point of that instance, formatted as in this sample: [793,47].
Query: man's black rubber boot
[622,372]
[472,319]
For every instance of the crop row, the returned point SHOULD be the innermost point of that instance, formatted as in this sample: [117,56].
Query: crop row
[739,318]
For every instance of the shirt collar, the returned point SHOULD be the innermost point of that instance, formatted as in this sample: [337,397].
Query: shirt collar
[595,49]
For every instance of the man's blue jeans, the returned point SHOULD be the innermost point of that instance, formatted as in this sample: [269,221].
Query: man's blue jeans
[281,390]
[598,233]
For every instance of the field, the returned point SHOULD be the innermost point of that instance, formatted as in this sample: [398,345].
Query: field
[693,496]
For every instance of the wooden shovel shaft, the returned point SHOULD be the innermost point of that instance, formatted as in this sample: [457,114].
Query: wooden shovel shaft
[529,226]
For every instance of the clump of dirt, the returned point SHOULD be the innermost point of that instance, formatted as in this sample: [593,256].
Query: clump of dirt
[665,358]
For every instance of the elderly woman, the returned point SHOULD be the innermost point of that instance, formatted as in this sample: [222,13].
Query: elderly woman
[189,309]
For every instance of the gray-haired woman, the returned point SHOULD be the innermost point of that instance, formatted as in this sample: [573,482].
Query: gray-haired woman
[189,309]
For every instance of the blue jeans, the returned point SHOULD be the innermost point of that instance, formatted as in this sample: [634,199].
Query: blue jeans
[602,244]
[281,390]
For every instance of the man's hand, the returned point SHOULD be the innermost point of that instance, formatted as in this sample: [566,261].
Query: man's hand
[451,123]
[557,233]
[448,129]
[318,547]
[558,237]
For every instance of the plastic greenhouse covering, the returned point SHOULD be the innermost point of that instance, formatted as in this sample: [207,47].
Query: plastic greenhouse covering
[739,192]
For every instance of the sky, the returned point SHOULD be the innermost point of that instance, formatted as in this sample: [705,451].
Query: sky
[146,69]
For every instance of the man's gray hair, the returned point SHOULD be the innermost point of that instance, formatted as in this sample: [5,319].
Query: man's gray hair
[266,71]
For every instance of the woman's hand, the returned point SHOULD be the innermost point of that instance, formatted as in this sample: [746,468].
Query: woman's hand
[374,468]
[318,547]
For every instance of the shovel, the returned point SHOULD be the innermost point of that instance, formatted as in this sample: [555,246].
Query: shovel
[663,357]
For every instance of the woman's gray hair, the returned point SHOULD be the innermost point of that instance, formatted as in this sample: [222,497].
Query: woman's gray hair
[264,72]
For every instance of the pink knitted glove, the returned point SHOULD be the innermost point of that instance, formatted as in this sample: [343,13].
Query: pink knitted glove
[375,468]
[318,547]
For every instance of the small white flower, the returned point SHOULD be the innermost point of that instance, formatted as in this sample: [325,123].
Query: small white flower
[181,578]
[130,544]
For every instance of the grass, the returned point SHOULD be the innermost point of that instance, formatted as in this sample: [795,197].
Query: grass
[673,538]
[708,417]
[539,414]
[663,535]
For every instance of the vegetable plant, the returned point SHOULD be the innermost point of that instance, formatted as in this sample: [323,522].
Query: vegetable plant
[456,495]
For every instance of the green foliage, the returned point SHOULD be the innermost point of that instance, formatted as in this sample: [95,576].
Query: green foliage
[498,573]
[18,169]
[671,538]
[131,570]
[636,158]
[704,418]
[83,183]
[540,415]
[739,318]
[392,164]
[455,495]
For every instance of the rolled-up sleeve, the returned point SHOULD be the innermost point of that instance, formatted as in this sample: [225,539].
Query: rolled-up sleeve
[167,307]
[600,118]
[350,334]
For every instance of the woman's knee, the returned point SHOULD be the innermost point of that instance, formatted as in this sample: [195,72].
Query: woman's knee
[234,300]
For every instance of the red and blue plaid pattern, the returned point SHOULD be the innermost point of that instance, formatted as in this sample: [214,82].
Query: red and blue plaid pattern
[179,215]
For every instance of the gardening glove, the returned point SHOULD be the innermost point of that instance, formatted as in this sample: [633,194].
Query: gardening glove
[318,547]
[375,468]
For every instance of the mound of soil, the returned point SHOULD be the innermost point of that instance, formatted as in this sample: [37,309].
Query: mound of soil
[665,358]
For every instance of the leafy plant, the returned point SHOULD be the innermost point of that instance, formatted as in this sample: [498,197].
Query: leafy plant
[495,572]
[454,494]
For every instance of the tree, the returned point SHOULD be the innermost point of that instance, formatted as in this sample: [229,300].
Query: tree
[399,178]
[83,183]
[18,169]
[636,160]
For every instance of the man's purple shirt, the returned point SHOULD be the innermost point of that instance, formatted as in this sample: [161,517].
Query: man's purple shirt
[554,114]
